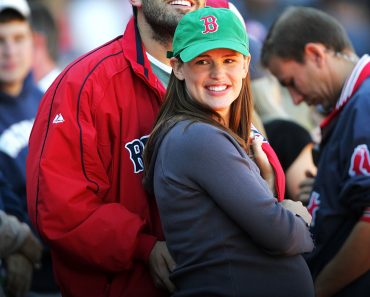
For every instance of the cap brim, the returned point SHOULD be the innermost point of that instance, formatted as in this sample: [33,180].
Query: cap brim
[195,50]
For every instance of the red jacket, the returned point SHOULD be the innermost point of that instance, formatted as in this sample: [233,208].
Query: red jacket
[84,171]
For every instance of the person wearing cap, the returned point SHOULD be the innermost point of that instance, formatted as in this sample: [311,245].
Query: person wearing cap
[84,167]
[19,100]
[225,230]
[317,63]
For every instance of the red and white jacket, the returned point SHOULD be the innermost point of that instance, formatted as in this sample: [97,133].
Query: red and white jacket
[84,171]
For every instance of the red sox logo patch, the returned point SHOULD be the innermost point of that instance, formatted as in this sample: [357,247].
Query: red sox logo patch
[360,161]
[210,24]
[136,148]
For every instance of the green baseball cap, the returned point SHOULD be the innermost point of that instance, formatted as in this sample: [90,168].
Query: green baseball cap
[206,29]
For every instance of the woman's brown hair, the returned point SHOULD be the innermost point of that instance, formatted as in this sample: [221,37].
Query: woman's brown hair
[178,105]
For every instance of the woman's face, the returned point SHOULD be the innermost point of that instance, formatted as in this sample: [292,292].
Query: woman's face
[214,78]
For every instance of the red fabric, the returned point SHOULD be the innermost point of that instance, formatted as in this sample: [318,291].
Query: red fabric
[275,163]
[218,3]
[94,213]
[366,215]
[279,172]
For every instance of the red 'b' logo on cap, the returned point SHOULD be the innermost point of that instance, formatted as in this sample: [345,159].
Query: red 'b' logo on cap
[210,24]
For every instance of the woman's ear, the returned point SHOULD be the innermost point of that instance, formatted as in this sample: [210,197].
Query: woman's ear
[246,62]
[177,68]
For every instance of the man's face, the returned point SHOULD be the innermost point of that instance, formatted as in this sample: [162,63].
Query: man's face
[164,15]
[306,82]
[15,52]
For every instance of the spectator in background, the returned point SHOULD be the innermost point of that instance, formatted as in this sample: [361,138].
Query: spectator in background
[46,45]
[311,54]
[19,100]
[293,145]
[19,96]
[20,250]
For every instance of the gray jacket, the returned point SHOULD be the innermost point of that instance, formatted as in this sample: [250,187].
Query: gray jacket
[223,227]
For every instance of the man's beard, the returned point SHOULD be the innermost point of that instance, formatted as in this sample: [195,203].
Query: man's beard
[162,21]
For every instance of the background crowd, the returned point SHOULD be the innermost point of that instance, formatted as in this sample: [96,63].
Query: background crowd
[86,24]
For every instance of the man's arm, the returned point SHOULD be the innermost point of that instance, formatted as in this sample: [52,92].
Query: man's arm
[352,261]
[68,185]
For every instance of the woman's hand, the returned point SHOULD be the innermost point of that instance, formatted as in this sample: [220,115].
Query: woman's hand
[267,171]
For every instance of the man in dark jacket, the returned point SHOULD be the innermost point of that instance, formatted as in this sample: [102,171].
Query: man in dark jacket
[310,53]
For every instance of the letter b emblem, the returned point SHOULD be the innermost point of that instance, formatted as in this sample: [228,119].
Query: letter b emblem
[210,24]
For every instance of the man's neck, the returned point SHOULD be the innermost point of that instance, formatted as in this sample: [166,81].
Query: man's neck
[157,49]
[344,65]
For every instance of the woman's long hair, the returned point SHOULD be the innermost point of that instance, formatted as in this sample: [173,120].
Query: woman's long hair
[178,105]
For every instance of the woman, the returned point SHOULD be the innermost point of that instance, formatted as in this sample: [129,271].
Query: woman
[223,226]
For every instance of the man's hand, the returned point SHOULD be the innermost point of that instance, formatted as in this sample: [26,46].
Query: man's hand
[297,208]
[161,264]
[18,275]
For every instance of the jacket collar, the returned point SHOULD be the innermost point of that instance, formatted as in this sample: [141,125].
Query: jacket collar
[135,52]
[354,81]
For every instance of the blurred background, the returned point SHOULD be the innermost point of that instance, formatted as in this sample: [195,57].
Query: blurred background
[85,24]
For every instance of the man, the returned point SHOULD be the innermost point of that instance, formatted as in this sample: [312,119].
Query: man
[46,45]
[84,168]
[19,96]
[309,52]
[19,100]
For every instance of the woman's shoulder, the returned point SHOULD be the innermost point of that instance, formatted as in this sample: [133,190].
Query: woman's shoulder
[190,127]
[195,136]
[195,131]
